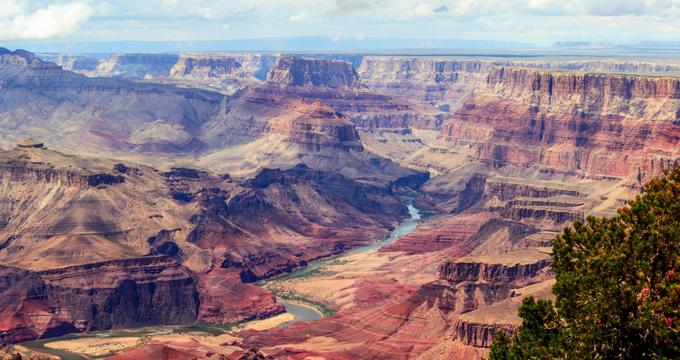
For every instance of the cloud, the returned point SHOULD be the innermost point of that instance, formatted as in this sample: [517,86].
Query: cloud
[617,8]
[298,17]
[423,10]
[352,5]
[55,20]
[11,8]
[441,9]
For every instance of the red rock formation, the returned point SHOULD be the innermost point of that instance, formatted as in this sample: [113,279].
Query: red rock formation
[315,126]
[453,233]
[480,335]
[225,299]
[594,125]
[460,270]
[409,321]
[91,238]
[94,297]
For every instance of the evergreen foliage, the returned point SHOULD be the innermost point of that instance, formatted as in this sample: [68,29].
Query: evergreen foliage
[617,287]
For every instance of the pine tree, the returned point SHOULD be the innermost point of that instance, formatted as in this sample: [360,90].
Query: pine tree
[617,286]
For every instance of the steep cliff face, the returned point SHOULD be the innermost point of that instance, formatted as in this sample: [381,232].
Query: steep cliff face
[224,66]
[136,66]
[154,289]
[96,296]
[297,71]
[441,82]
[75,63]
[594,125]
[604,66]
[524,265]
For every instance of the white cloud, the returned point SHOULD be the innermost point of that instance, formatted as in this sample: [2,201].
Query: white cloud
[423,10]
[299,16]
[55,20]
[10,8]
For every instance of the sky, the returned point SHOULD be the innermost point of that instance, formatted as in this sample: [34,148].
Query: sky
[540,22]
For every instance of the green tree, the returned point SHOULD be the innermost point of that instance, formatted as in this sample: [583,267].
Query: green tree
[617,286]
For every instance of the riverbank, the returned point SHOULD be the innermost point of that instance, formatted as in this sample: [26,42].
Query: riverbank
[282,289]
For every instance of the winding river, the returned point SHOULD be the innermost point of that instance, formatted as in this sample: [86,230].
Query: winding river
[301,310]
[306,310]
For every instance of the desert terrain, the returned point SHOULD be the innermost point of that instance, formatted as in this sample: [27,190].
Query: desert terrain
[306,206]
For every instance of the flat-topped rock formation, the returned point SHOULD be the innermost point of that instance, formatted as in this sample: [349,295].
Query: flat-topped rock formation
[298,71]
[604,66]
[477,328]
[136,66]
[438,81]
[508,268]
[30,143]
[224,66]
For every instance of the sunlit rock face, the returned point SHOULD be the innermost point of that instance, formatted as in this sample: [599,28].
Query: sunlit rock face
[594,125]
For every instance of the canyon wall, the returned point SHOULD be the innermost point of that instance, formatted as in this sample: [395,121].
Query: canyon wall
[136,66]
[594,125]
[96,296]
[224,66]
[438,81]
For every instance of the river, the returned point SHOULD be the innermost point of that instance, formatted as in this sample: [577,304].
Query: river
[306,310]
[302,309]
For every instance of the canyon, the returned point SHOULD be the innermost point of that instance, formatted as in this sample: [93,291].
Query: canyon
[152,189]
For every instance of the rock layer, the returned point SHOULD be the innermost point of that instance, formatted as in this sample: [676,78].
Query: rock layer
[298,71]
[96,296]
[594,125]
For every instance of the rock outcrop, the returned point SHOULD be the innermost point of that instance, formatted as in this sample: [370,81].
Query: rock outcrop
[96,296]
[136,66]
[314,126]
[437,81]
[298,71]
[223,66]
[18,169]
[75,63]
[515,267]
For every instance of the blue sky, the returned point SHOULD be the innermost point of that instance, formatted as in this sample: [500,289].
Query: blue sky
[540,22]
